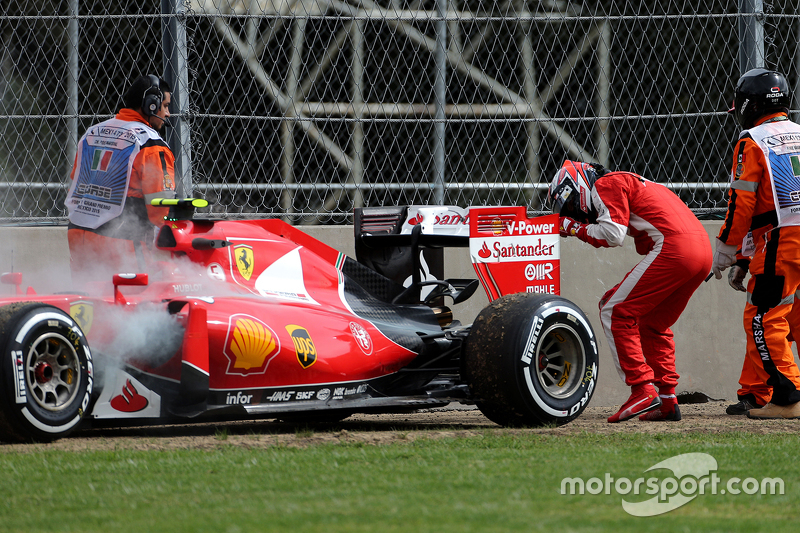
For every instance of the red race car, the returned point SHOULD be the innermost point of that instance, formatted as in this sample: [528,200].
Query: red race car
[256,319]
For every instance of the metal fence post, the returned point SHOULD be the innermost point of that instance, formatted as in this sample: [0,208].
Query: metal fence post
[531,127]
[440,94]
[293,78]
[797,66]
[357,36]
[604,73]
[72,86]
[176,73]
[751,35]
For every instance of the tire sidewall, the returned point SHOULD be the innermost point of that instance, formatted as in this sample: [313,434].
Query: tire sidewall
[530,336]
[28,417]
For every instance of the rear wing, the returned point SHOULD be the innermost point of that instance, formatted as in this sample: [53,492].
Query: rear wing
[437,226]
[405,244]
[509,251]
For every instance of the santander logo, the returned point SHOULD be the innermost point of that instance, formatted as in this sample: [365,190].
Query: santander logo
[447,218]
[130,401]
[529,249]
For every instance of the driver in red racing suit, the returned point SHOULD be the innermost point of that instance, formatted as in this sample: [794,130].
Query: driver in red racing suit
[600,207]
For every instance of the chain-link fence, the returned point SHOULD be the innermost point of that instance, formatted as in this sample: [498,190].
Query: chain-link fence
[306,109]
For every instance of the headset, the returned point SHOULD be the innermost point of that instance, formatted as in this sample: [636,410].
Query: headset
[153,97]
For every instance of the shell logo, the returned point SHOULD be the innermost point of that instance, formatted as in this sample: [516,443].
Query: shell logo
[250,345]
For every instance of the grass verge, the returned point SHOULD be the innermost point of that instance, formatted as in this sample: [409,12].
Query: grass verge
[491,482]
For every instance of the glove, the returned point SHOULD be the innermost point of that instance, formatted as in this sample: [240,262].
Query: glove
[569,227]
[724,256]
[606,297]
[736,277]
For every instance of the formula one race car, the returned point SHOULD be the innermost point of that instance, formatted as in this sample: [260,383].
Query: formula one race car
[256,319]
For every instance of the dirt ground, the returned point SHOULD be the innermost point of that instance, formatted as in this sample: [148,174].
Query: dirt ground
[707,417]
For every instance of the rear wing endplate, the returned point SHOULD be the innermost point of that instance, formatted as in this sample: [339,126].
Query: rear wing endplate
[513,253]
[509,251]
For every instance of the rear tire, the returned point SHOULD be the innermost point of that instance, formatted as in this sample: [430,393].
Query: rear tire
[45,373]
[531,360]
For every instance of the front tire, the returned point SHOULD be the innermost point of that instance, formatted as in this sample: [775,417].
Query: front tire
[45,373]
[531,360]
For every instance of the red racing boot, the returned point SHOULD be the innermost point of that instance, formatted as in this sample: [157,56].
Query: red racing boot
[643,398]
[669,410]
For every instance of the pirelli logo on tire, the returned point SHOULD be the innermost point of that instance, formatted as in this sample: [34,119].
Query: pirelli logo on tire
[536,328]
[19,373]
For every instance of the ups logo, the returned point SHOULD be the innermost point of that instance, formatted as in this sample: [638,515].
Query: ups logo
[303,345]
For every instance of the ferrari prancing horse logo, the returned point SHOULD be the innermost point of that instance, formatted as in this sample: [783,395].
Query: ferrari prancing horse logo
[244,260]
[83,313]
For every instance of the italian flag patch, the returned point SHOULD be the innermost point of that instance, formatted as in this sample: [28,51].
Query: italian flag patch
[795,159]
[101,160]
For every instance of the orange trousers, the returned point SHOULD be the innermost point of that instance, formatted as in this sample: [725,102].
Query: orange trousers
[750,380]
[769,316]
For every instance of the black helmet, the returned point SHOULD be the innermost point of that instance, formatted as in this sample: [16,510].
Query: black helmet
[759,92]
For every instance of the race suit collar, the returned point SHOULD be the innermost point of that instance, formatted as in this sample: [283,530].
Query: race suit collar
[130,115]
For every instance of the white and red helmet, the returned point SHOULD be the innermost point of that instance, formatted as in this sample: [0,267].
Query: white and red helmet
[571,190]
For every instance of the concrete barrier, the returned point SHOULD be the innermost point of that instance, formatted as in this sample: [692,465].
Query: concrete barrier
[709,337]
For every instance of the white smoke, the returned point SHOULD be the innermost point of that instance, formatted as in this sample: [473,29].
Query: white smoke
[141,334]
[146,334]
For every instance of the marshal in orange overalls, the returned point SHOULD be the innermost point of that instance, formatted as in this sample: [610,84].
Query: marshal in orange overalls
[775,268]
